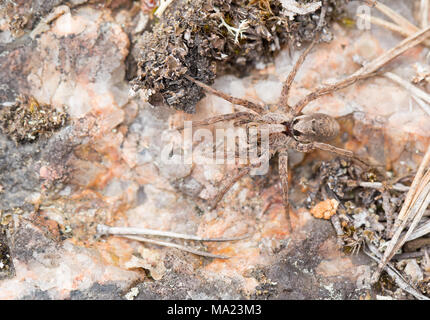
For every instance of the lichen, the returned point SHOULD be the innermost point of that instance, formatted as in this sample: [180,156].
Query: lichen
[27,120]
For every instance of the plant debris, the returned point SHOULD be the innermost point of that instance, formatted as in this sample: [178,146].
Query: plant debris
[366,212]
[200,38]
[26,120]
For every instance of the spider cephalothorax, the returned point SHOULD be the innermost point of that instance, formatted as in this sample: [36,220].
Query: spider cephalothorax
[305,128]
[314,127]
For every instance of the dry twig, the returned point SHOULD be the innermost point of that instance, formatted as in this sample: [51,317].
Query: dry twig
[424,11]
[401,25]
[177,246]
[416,203]
[137,233]
[420,231]
[418,94]
[162,7]
[378,185]
[393,273]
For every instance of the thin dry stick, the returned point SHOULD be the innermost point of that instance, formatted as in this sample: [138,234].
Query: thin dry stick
[414,207]
[367,70]
[413,191]
[162,7]
[420,231]
[243,102]
[107,230]
[388,25]
[397,18]
[394,274]
[408,255]
[287,85]
[378,185]
[410,87]
[424,10]
[420,206]
[422,104]
[393,27]
[418,94]
[177,246]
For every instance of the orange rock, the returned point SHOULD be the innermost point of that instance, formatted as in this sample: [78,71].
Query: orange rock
[325,209]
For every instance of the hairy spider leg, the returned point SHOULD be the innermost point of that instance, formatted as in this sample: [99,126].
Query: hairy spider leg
[259,108]
[283,174]
[233,179]
[246,116]
[283,101]
[298,107]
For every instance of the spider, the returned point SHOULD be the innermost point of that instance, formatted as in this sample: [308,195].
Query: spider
[290,129]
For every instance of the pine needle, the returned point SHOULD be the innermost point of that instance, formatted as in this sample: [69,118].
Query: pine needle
[414,207]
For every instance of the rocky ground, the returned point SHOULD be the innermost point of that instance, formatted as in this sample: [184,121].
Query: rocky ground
[103,166]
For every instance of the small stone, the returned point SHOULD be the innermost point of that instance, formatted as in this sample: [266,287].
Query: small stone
[325,209]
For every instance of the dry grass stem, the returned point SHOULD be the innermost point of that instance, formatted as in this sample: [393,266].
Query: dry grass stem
[137,233]
[424,12]
[177,246]
[414,207]
[422,104]
[388,25]
[393,273]
[421,231]
[378,185]
[367,70]
[397,18]
[415,91]
[105,230]
[401,25]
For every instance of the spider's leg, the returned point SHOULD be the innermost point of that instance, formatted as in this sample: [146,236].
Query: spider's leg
[227,186]
[342,152]
[242,102]
[307,147]
[283,174]
[283,101]
[298,107]
[246,116]
[333,149]
[233,179]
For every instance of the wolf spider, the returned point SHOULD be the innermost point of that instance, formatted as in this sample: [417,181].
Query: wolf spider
[290,129]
